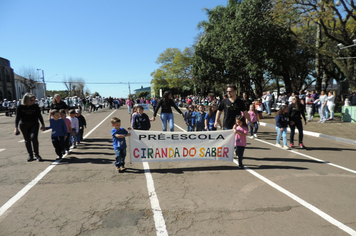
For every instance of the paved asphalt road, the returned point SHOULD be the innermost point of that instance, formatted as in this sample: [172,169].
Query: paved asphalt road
[299,192]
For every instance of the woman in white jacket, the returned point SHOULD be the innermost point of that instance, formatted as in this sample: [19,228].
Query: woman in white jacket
[331,105]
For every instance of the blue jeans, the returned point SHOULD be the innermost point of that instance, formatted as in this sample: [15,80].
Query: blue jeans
[167,117]
[120,157]
[73,138]
[322,113]
[190,128]
[268,107]
[129,107]
[284,135]
[251,128]
[79,136]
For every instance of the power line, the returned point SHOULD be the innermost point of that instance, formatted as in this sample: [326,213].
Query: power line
[101,82]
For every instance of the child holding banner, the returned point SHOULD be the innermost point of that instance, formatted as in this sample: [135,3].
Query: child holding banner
[200,118]
[141,120]
[190,118]
[241,131]
[119,134]
[210,118]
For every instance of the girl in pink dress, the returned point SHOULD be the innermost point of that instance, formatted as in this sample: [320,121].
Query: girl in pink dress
[254,121]
[240,131]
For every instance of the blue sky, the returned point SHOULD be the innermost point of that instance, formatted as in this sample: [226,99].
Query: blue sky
[99,41]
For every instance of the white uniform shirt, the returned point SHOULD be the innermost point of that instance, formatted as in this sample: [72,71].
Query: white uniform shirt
[74,123]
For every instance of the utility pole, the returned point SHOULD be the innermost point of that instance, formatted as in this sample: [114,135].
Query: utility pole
[129,90]
[44,83]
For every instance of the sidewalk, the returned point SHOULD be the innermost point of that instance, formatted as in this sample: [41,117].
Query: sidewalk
[336,130]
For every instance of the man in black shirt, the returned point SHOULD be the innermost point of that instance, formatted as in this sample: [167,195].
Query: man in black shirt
[232,107]
[246,101]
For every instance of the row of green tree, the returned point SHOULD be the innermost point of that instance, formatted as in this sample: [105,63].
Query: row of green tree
[264,44]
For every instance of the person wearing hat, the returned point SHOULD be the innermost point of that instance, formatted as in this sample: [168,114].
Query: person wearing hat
[5,104]
[27,116]
[82,125]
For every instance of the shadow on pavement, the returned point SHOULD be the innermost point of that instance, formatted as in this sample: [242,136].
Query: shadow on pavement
[90,153]
[266,167]
[181,170]
[75,160]
[329,149]
[257,148]
[209,168]
[98,140]
[284,159]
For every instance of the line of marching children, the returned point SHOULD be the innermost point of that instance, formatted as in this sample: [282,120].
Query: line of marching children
[198,120]
[66,131]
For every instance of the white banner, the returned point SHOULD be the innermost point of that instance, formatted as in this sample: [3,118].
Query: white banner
[144,105]
[154,146]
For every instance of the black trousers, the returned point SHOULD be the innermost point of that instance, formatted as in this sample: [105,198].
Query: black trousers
[240,154]
[81,131]
[30,134]
[58,144]
[299,125]
[67,142]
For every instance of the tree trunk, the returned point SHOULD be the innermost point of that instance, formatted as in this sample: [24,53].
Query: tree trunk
[317,59]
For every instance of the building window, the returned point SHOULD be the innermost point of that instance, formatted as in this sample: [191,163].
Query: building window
[7,76]
[1,96]
[9,96]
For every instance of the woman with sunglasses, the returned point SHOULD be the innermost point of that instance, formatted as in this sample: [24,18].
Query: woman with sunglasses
[27,116]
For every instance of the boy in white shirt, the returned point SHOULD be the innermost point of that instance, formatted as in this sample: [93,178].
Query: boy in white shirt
[75,127]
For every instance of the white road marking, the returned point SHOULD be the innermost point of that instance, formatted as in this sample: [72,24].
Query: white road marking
[297,199]
[21,141]
[23,191]
[3,149]
[160,223]
[302,202]
[310,157]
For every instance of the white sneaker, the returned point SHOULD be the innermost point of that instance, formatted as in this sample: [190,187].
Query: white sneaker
[286,148]
[251,137]
[278,145]
[255,135]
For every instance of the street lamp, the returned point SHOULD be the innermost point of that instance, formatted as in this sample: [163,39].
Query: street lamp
[341,46]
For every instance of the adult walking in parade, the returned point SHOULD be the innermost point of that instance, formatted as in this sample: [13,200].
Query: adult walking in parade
[27,116]
[58,103]
[166,113]
[232,107]
[129,104]
[295,113]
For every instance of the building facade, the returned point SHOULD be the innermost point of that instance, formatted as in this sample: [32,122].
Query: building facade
[21,89]
[142,89]
[7,81]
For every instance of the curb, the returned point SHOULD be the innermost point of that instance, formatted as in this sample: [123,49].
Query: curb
[318,135]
